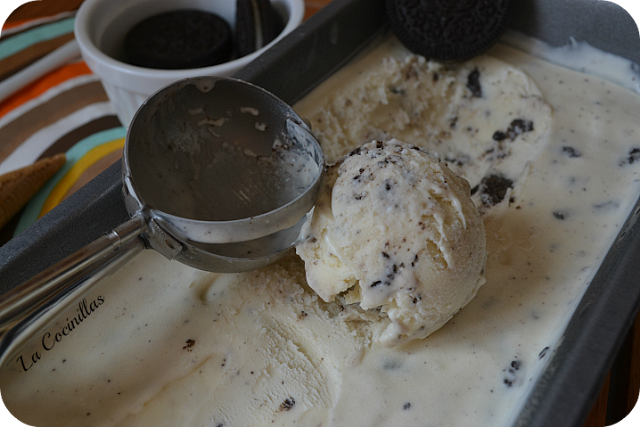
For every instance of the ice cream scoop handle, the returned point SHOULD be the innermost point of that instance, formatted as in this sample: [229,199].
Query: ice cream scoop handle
[27,303]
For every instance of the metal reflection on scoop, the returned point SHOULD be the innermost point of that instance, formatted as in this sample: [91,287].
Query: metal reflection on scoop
[225,168]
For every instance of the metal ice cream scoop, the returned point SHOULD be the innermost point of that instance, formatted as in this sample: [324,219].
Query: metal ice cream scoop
[223,167]
[218,174]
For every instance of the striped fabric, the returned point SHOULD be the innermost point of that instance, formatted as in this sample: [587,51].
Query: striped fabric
[66,111]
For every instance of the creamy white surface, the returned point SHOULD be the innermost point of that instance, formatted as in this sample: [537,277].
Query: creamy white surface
[395,229]
[268,351]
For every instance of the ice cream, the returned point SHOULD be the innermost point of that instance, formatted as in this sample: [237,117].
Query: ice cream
[552,158]
[397,231]
[484,116]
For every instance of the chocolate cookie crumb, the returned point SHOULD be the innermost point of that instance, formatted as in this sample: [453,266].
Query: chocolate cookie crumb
[355,152]
[560,215]
[473,83]
[499,135]
[519,126]
[493,189]
[543,353]
[516,127]
[571,152]
[634,155]
[288,404]
[511,375]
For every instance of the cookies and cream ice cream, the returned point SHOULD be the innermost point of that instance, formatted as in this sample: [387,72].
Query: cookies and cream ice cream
[552,157]
[483,117]
[396,231]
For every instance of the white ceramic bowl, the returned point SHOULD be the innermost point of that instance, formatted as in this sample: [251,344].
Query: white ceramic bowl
[100,29]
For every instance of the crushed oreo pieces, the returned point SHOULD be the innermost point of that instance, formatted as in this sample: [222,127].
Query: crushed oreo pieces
[560,215]
[543,353]
[632,157]
[190,343]
[571,152]
[288,404]
[516,127]
[473,83]
[512,373]
[492,189]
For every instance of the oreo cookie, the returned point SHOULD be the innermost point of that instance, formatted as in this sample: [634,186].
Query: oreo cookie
[448,29]
[257,24]
[179,39]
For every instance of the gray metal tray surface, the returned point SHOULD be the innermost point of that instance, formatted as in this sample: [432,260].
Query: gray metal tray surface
[320,46]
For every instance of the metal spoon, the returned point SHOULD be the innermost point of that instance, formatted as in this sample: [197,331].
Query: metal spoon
[218,174]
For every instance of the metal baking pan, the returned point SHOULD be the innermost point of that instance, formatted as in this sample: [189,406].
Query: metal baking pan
[321,45]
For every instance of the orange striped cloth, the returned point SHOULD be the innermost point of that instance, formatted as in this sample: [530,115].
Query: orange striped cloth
[66,111]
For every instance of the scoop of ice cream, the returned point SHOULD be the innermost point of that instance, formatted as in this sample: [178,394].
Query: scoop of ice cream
[395,230]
